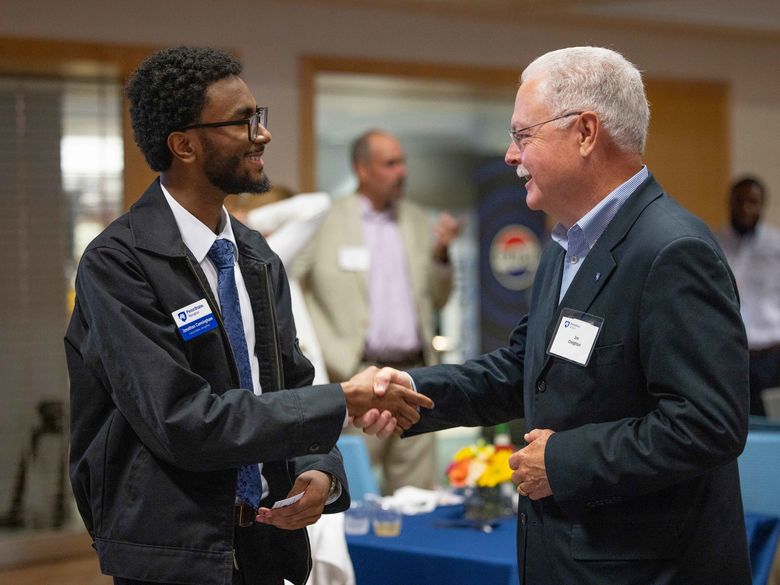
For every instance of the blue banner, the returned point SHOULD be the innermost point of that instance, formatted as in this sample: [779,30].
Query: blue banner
[510,241]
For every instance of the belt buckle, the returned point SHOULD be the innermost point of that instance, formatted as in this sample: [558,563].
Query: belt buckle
[244,515]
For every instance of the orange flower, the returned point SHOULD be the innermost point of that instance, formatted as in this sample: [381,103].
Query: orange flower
[458,471]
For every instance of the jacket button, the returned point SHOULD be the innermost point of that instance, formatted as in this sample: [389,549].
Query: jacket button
[314,448]
[541,386]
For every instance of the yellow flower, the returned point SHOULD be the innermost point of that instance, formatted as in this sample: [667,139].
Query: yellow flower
[480,465]
[497,471]
[465,453]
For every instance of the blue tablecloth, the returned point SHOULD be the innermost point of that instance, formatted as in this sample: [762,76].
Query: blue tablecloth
[431,555]
[763,534]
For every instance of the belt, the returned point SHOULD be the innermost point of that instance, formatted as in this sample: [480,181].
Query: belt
[243,515]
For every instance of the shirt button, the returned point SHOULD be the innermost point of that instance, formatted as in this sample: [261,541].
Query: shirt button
[574,259]
[541,386]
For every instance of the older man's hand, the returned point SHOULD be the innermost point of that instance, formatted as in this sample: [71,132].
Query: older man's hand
[530,474]
[383,424]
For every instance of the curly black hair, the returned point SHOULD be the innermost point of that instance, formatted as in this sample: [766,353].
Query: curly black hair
[168,91]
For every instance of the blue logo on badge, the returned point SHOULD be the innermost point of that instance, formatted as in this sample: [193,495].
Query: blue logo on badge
[195,319]
[566,323]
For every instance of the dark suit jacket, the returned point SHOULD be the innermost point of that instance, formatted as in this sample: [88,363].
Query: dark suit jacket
[159,425]
[643,462]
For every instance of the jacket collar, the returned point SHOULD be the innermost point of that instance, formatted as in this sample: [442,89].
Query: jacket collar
[154,227]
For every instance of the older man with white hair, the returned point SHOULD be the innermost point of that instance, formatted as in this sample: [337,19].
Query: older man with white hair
[631,367]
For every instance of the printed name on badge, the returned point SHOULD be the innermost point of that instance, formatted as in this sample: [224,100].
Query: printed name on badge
[575,336]
[194,319]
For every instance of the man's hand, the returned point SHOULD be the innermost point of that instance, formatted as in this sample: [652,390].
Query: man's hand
[398,399]
[383,424]
[387,376]
[530,475]
[315,486]
[444,232]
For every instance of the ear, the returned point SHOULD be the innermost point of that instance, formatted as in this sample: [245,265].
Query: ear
[182,146]
[588,127]
[360,171]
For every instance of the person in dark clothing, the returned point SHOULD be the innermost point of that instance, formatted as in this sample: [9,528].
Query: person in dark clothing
[191,410]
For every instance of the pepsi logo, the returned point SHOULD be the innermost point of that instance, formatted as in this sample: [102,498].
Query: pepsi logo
[514,257]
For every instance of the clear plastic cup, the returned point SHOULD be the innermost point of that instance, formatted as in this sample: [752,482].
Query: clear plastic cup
[357,519]
[387,520]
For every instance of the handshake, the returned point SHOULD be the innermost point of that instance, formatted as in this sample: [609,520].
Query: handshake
[383,402]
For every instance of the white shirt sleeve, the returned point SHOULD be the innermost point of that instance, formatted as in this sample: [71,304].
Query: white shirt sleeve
[288,225]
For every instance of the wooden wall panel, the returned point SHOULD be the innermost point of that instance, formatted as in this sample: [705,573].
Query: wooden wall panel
[688,144]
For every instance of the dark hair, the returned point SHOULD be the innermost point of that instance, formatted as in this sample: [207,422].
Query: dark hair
[168,91]
[749,181]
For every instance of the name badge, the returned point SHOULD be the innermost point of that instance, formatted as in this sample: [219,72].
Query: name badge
[194,319]
[575,336]
[354,258]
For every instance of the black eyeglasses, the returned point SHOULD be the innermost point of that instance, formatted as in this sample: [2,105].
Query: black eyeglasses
[253,123]
[520,135]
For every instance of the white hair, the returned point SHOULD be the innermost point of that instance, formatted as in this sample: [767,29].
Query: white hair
[599,80]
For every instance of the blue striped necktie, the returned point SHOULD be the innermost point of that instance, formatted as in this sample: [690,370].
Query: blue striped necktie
[222,254]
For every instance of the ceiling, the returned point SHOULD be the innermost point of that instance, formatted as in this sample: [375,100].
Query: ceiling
[742,17]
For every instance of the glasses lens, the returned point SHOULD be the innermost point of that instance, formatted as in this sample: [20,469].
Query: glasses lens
[259,119]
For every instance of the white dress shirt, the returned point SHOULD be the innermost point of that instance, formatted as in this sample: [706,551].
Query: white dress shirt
[199,238]
[755,261]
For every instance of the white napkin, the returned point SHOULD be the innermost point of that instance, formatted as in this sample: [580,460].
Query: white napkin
[412,500]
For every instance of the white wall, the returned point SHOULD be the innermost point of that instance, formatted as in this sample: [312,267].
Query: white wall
[271,36]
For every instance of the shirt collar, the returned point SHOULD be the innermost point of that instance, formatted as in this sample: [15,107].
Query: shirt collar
[195,234]
[593,223]
[367,210]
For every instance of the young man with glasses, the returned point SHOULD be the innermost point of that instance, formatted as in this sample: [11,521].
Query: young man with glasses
[191,412]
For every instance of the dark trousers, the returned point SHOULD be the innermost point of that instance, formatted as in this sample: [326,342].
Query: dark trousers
[254,566]
[764,373]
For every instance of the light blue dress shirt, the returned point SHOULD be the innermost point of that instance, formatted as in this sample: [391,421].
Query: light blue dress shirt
[578,240]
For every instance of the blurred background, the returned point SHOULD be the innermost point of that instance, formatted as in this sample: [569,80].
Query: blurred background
[439,74]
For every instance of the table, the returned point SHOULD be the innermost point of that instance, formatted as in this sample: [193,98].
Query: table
[425,553]
[763,534]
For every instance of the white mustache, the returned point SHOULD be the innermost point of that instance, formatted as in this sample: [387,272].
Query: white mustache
[523,174]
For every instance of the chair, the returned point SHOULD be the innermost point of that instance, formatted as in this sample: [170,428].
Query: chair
[771,399]
[357,464]
[758,472]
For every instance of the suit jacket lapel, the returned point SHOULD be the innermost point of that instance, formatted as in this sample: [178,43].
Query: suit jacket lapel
[544,304]
[353,236]
[600,262]
[592,276]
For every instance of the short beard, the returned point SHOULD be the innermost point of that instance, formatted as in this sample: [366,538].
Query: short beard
[222,172]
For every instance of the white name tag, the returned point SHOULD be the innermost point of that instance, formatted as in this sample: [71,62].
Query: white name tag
[354,258]
[575,336]
[194,319]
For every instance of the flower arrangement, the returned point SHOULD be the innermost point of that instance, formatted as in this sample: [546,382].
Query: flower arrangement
[483,471]
[480,465]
